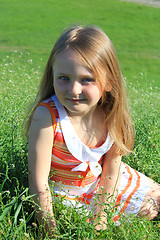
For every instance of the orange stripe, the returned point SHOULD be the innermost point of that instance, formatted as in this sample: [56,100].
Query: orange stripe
[60,166]
[75,175]
[127,186]
[71,179]
[66,162]
[129,197]
[61,150]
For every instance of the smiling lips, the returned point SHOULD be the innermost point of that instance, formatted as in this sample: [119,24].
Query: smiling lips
[74,100]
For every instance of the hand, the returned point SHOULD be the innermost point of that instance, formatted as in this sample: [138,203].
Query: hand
[49,228]
[102,223]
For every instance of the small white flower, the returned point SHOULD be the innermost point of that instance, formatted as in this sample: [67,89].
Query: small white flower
[26,234]
[22,220]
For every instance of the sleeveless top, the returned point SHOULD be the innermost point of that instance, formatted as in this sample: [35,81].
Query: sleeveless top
[75,168]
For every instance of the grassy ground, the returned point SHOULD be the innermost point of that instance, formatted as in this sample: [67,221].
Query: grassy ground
[134,29]
[33,26]
[16,213]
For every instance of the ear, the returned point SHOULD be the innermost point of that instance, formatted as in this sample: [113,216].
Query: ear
[108,87]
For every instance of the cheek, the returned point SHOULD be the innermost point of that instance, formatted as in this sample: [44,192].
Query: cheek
[94,91]
[59,87]
[99,90]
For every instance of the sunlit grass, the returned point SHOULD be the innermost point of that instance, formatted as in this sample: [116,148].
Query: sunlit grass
[20,78]
[133,28]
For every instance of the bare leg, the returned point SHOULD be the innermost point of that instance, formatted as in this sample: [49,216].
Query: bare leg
[151,203]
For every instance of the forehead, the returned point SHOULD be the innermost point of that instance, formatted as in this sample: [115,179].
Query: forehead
[68,56]
[70,59]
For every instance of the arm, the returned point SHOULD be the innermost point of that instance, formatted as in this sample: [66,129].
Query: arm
[39,162]
[110,172]
[109,181]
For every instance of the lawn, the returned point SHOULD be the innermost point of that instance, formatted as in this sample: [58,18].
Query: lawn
[34,25]
[28,31]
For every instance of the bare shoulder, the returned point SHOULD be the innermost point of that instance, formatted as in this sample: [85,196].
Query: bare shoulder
[42,115]
[41,124]
[114,151]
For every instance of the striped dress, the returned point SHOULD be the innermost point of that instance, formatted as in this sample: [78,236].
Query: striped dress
[76,168]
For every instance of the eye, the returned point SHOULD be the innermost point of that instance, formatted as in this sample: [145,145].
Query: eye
[63,78]
[88,80]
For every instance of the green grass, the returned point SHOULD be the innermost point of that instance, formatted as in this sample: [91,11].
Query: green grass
[33,26]
[134,29]
[17,219]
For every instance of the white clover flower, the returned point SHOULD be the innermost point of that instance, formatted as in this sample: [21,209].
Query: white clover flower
[22,220]
[13,165]
[26,234]
[64,211]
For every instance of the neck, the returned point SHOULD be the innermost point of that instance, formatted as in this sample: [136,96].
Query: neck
[84,117]
[89,121]
[91,129]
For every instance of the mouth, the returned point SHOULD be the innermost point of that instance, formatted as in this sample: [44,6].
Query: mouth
[74,100]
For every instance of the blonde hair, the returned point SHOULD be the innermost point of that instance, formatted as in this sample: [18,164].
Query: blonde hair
[97,51]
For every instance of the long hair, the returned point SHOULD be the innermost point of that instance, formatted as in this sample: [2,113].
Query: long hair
[97,52]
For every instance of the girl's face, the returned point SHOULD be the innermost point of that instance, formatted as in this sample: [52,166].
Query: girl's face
[74,84]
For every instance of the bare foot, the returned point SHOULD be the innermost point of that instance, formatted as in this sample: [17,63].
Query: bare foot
[151,203]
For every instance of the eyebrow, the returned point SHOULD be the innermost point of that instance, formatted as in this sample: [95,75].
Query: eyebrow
[89,75]
[61,73]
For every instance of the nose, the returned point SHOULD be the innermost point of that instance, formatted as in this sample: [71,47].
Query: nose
[76,88]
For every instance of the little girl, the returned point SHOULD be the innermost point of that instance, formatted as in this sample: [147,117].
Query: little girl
[80,128]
